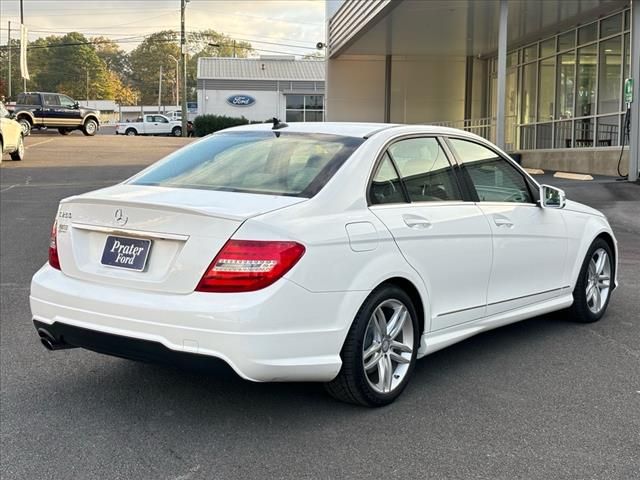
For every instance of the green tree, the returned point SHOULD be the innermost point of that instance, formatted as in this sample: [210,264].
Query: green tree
[146,59]
[115,58]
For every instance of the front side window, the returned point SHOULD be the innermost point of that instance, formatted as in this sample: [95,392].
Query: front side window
[425,170]
[290,164]
[161,119]
[66,101]
[493,177]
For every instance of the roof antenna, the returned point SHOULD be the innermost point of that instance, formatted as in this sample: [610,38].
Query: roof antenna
[277,124]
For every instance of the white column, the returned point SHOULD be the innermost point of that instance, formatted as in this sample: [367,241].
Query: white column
[502,73]
[634,134]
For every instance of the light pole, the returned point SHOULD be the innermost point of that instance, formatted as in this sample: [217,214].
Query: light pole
[177,78]
[183,52]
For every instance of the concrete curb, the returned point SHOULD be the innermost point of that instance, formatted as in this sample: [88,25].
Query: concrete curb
[573,176]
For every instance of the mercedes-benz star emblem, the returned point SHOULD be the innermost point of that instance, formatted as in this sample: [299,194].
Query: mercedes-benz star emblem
[120,217]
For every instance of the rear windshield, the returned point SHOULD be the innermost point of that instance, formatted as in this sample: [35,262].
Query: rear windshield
[291,164]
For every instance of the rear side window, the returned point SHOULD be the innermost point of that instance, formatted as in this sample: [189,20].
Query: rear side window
[425,170]
[291,164]
[385,186]
[493,177]
[28,99]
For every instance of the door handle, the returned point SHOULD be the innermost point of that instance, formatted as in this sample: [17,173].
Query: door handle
[502,222]
[414,221]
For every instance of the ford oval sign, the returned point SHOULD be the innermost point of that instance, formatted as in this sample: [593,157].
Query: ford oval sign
[241,100]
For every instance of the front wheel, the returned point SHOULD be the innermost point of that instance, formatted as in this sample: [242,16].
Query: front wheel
[19,153]
[176,132]
[90,128]
[379,353]
[593,288]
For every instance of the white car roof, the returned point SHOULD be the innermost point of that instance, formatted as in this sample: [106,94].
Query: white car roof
[350,129]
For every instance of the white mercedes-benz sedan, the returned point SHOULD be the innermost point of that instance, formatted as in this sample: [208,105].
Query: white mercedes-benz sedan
[329,252]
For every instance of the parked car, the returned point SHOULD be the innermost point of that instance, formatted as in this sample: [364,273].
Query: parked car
[328,252]
[36,110]
[155,124]
[11,140]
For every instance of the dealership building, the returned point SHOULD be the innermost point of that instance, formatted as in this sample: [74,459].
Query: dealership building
[262,88]
[545,79]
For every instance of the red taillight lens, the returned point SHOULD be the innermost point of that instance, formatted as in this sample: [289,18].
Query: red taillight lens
[247,265]
[54,261]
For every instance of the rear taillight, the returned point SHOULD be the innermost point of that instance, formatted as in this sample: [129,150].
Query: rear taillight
[247,265]
[54,261]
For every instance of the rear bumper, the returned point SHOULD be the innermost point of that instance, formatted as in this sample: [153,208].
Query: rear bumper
[280,333]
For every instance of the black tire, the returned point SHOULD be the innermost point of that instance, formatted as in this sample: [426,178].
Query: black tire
[64,131]
[90,127]
[176,132]
[351,385]
[131,132]
[18,155]
[580,311]
[25,123]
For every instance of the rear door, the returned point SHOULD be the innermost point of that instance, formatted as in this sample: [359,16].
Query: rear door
[447,240]
[529,242]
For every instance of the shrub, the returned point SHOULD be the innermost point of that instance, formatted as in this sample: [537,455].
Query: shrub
[206,124]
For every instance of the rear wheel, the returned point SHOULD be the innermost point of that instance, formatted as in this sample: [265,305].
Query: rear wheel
[19,153]
[593,288]
[64,131]
[90,127]
[131,132]
[379,353]
[25,124]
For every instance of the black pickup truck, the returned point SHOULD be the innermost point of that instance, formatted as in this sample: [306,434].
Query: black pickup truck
[35,110]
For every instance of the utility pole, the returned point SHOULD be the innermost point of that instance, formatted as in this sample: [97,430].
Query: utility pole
[9,50]
[234,49]
[87,90]
[183,52]
[177,79]
[24,80]
[160,90]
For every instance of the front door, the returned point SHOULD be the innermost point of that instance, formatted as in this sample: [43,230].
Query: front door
[416,194]
[529,242]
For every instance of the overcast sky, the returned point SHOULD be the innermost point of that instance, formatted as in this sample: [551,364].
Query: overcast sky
[275,25]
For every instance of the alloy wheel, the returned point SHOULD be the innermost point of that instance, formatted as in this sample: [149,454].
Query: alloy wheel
[598,280]
[388,346]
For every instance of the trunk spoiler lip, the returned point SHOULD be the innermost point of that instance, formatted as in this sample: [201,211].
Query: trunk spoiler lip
[211,212]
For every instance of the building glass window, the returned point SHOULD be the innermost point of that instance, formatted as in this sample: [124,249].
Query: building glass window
[546,89]
[305,108]
[565,84]
[586,81]
[567,41]
[610,26]
[588,33]
[548,47]
[530,53]
[583,135]
[544,135]
[528,94]
[566,91]
[610,76]
[608,131]
[563,135]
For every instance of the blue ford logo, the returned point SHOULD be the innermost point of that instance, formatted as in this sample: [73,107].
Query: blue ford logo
[241,100]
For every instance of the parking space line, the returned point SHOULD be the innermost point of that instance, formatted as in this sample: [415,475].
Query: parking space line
[7,188]
[40,143]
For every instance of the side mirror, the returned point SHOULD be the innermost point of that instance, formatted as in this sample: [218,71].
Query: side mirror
[552,197]
[76,105]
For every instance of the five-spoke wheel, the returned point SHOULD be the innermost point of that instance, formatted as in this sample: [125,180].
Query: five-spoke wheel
[593,289]
[379,353]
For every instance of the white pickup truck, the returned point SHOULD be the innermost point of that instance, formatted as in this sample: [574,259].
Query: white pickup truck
[154,124]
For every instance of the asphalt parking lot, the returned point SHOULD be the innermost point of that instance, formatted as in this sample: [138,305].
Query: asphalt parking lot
[540,399]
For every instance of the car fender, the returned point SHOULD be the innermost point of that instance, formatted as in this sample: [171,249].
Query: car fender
[90,116]
[25,113]
[330,263]
[582,230]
